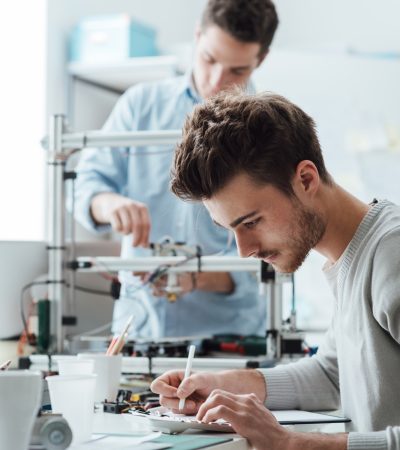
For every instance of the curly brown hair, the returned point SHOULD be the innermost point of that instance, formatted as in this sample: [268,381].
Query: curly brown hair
[245,20]
[263,135]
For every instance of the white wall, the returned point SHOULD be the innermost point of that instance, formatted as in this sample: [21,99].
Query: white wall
[174,20]
[22,117]
[361,23]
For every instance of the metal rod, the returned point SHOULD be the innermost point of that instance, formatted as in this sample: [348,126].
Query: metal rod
[140,364]
[56,240]
[101,139]
[176,263]
[72,252]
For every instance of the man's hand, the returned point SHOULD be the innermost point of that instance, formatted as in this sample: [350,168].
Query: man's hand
[186,282]
[172,387]
[248,417]
[252,420]
[125,215]
[195,389]
[220,282]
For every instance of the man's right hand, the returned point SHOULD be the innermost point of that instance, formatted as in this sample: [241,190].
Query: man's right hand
[125,215]
[172,386]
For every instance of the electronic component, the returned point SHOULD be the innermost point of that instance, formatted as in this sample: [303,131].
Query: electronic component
[127,400]
[116,407]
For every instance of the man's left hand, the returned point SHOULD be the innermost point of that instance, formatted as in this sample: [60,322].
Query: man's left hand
[248,417]
[220,282]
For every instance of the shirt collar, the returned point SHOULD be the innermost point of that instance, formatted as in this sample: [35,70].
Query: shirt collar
[190,89]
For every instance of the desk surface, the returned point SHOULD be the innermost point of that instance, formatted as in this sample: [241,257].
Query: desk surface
[127,424]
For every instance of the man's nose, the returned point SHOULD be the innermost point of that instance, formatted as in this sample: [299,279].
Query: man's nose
[246,247]
[217,77]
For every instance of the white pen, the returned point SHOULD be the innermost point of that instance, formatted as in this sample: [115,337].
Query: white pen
[189,362]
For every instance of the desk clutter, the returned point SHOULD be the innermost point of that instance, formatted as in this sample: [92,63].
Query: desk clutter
[79,385]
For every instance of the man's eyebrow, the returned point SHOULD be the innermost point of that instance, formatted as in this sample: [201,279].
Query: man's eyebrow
[218,224]
[209,55]
[240,219]
[237,221]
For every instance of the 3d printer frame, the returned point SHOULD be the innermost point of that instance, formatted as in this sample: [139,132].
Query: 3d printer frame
[59,146]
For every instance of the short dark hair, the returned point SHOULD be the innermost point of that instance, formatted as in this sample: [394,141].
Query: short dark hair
[245,20]
[264,136]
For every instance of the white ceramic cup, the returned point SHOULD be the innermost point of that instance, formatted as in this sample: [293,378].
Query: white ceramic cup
[73,397]
[72,365]
[20,398]
[108,371]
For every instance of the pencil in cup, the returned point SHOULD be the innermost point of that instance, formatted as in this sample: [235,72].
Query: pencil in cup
[4,366]
[188,369]
[117,343]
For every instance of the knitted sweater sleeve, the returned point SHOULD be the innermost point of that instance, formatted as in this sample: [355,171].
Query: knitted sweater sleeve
[311,384]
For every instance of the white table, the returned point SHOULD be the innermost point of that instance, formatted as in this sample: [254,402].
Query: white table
[130,425]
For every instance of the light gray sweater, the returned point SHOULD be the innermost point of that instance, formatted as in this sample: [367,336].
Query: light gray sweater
[358,366]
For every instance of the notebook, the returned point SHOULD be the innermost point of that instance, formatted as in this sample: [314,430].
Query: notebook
[162,419]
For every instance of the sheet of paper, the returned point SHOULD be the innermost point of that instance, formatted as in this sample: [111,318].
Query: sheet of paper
[296,416]
[283,416]
[163,412]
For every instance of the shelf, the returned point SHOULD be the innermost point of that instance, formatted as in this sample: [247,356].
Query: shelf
[121,75]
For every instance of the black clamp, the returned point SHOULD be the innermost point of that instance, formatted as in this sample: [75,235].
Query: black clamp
[75,265]
[267,272]
[71,175]
[199,254]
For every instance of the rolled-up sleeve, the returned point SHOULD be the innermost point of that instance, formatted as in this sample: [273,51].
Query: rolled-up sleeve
[105,169]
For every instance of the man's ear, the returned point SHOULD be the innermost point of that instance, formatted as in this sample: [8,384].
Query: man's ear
[306,179]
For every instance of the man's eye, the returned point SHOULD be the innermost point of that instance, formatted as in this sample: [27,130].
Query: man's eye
[251,224]
[239,72]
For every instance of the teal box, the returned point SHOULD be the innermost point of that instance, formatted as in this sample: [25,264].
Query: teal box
[111,38]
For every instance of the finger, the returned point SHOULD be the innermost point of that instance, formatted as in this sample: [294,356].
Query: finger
[136,225]
[235,402]
[116,222]
[160,283]
[166,381]
[163,387]
[242,398]
[223,412]
[215,399]
[191,384]
[146,225]
[172,403]
[126,221]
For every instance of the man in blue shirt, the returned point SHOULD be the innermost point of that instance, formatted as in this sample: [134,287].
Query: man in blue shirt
[127,188]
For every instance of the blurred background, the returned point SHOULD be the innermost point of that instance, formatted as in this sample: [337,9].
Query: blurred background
[339,61]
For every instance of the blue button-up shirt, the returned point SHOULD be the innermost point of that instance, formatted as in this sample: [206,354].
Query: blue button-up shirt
[143,174]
